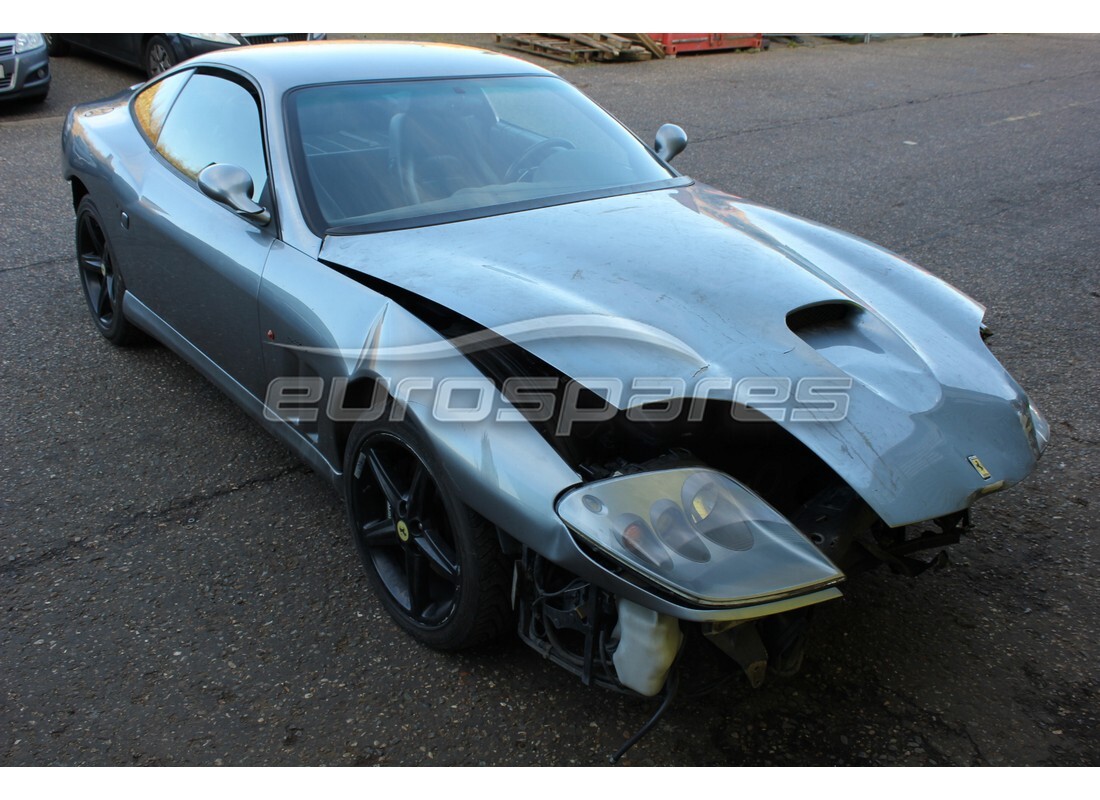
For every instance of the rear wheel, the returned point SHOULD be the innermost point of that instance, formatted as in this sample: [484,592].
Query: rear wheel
[99,276]
[436,565]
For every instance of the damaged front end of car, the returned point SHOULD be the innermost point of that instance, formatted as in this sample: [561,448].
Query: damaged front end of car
[701,455]
[733,524]
[736,527]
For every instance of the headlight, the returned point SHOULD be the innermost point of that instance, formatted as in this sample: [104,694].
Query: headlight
[219,38]
[698,533]
[28,41]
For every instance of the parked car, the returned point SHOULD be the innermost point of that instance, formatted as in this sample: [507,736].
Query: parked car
[563,388]
[156,52]
[24,66]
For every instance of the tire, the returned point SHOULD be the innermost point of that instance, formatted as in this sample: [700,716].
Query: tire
[100,278]
[54,46]
[436,566]
[158,56]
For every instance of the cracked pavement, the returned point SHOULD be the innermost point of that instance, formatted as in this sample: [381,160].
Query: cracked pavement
[177,589]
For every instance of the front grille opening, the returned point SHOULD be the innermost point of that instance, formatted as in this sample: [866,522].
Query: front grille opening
[269,38]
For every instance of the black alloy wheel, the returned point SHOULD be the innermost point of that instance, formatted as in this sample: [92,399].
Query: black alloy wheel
[99,275]
[437,567]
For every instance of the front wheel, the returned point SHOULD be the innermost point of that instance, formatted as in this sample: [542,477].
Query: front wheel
[436,565]
[54,46]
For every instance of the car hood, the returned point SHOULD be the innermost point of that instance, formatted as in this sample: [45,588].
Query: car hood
[695,284]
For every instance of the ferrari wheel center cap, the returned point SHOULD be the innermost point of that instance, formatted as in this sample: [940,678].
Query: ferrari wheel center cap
[402,530]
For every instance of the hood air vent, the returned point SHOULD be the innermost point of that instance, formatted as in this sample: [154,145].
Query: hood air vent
[822,317]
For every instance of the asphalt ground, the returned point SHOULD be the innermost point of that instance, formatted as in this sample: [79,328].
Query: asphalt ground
[178,589]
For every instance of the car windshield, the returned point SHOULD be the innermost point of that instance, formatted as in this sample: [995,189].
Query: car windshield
[383,156]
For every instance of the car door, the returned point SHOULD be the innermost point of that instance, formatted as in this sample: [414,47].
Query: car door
[201,263]
[121,46]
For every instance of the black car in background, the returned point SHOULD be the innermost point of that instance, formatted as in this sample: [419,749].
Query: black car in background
[24,66]
[156,52]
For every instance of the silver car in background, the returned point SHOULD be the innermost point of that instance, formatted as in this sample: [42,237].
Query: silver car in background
[24,66]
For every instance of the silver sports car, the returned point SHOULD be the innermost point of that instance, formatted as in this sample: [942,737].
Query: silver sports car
[563,388]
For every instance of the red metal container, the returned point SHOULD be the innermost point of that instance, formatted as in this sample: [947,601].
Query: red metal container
[675,43]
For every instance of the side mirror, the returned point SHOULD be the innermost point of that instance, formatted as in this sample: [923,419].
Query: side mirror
[671,141]
[231,186]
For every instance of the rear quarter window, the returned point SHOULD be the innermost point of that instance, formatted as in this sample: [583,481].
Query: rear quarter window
[152,105]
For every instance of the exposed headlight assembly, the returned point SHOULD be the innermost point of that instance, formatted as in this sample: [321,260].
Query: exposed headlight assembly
[699,534]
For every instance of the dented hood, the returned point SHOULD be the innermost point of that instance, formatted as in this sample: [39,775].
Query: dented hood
[720,278]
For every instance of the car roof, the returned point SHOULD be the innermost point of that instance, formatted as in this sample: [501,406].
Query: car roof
[283,66]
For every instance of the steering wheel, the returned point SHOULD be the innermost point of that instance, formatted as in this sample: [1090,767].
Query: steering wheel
[533,156]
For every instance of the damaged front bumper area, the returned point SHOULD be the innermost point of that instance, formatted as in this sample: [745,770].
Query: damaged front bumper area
[673,547]
[693,535]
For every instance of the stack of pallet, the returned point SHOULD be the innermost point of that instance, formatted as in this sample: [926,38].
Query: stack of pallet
[580,47]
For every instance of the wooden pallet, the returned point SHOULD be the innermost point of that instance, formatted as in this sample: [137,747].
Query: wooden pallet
[648,42]
[576,48]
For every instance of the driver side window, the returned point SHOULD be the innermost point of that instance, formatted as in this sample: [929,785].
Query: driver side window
[215,120]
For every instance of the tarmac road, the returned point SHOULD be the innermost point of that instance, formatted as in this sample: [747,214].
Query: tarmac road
[177,589]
